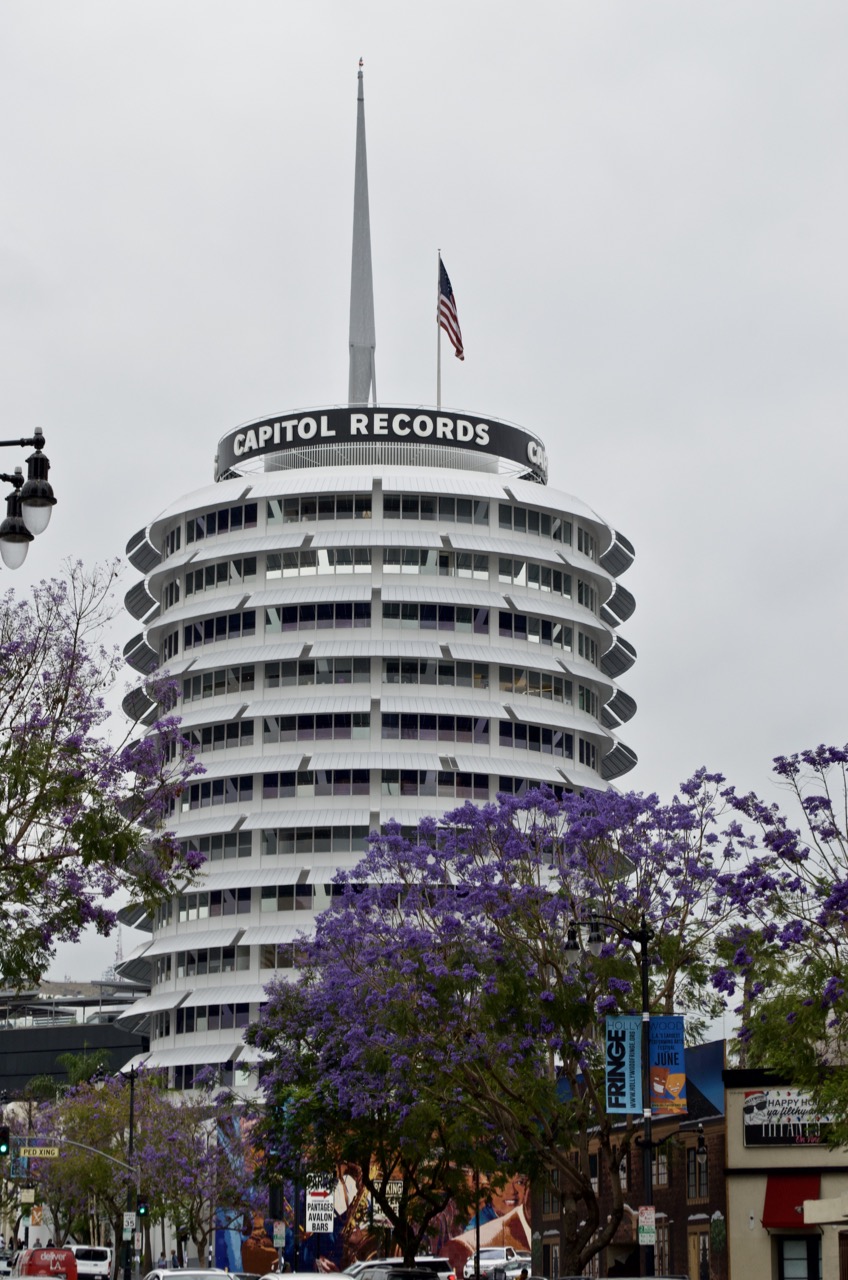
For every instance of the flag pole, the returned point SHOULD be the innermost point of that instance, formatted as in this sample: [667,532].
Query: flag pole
[438,329]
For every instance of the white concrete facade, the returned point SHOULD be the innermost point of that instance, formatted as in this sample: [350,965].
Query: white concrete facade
[354,644]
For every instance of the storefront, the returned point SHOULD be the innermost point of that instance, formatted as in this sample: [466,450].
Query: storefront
[778,1160]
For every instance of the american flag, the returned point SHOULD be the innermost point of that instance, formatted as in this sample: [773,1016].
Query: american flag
[448,319]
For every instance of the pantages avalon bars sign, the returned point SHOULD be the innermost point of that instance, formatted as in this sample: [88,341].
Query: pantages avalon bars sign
[348,425]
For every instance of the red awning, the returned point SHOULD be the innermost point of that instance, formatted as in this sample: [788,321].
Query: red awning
[785,1196]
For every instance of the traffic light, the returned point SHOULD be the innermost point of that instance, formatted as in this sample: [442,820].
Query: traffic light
[4,1139]
[141,1206]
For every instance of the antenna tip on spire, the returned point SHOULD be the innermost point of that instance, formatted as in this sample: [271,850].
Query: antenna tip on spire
[361,64]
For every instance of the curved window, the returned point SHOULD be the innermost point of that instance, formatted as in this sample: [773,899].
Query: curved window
[227,626]
[212,684]
[533,576]
[436,617]
[217,737]
[435,728]
[203,960]
[326,506]
[541,523]
[226,520]
[316,782]
[428,560]
[436,671]
[586,543]
[171,542]
[279,955]
[308,562]
[520,786]
[587,700]
[310,617]
[435,782]
[310,728]
[287,897]
[225,573]
[587,647]
[202,795]
[587,595]
[212,1017]
[230,844]
[535,684]
[212,902]
[425,506]
[521,626]
[534,737]
[307,840]
[309,671]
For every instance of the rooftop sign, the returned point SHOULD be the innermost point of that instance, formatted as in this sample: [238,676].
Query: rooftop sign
[347,425]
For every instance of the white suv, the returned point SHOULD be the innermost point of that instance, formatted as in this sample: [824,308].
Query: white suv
[94,1261]
[502,1256]
[360,1270]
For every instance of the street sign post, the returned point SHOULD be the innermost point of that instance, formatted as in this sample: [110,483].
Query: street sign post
[647,1225]
[319,1203]
[394,1191]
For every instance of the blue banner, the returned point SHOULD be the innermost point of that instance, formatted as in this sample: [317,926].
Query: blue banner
[667,1063]
[623,1056]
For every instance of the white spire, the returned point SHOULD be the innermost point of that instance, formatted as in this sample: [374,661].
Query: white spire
[362,383]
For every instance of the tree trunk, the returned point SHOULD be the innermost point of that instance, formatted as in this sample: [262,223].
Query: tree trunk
[118,1249]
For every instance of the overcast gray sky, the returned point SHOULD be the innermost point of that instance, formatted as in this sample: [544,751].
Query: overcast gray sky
[643,208]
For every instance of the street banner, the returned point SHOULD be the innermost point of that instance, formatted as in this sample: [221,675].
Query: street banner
[319,1203]
[667,1066]
[623,1056]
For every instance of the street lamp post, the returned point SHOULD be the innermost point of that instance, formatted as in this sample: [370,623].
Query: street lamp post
[642,936]
[131,1190]
[29,505]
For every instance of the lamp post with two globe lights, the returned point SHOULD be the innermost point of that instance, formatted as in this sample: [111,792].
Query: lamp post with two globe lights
[594,945]
[30,504]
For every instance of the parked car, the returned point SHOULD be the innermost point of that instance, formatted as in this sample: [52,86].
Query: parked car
[497,1256]
[193,1273]
[93,1261]
[402,1273]
[363,1270]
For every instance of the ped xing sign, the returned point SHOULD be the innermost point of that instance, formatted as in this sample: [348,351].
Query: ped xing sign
[319,1203]
[623,1056]
[39,1153]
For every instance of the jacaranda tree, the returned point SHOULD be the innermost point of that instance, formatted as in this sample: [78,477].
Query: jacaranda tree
[789,961]
[81,815]
[442,993]
[192,1157]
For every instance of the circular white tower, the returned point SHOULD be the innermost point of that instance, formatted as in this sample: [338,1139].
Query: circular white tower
[374,613]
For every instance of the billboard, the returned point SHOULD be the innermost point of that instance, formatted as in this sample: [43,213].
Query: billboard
[342,426]
[782,1118]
